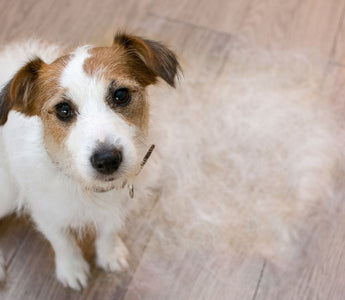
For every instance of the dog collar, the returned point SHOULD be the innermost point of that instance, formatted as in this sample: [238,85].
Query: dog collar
[145,159]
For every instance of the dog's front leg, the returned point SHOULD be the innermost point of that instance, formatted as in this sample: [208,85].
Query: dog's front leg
[71,268]
[112,253]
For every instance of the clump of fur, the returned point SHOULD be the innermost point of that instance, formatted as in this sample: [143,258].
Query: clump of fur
[251,159]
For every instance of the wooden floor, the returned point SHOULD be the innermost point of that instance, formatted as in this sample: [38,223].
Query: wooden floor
[202,30]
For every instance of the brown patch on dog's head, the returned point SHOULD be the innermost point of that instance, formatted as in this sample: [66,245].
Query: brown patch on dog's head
[142,59]
[133,63]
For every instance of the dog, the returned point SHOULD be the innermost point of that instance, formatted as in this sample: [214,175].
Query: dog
[73,139]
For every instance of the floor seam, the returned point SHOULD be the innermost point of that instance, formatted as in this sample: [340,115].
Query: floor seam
[259,281]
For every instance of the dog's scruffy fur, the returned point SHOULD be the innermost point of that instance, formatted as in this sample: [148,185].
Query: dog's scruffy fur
[250,162]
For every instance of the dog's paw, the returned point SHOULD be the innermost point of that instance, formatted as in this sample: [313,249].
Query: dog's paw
[115,260]
[73,273]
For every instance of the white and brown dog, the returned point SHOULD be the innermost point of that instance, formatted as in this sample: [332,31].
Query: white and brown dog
[74,132]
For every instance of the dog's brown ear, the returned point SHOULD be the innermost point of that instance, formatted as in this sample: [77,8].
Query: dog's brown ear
[157,59]
[19,93]
[5,104]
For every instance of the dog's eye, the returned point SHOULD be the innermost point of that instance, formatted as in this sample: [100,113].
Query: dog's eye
[122,97]
[64,111]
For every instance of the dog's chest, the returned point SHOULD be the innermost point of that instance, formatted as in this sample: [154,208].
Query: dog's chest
[74,208]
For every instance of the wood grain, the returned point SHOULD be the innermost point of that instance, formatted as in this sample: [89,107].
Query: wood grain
[71,22]
[269,23]
[338,54]
[323,273]
[202,33]
[219,15]
[293,24]
[13,230]
[194,275]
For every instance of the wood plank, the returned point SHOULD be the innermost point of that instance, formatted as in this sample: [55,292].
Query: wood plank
[322,275]
[288,24]
[220,15]
[338,54]
[335,85]
[194,275]
[13,231]
[293,24]
[71,22]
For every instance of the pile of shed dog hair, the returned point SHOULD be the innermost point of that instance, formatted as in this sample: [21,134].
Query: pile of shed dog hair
[252,159]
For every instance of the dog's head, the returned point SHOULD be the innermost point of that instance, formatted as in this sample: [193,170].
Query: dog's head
[93,106]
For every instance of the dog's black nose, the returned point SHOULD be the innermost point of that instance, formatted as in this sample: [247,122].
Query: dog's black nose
[106,161]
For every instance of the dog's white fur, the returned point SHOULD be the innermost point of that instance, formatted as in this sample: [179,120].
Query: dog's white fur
[251,160]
